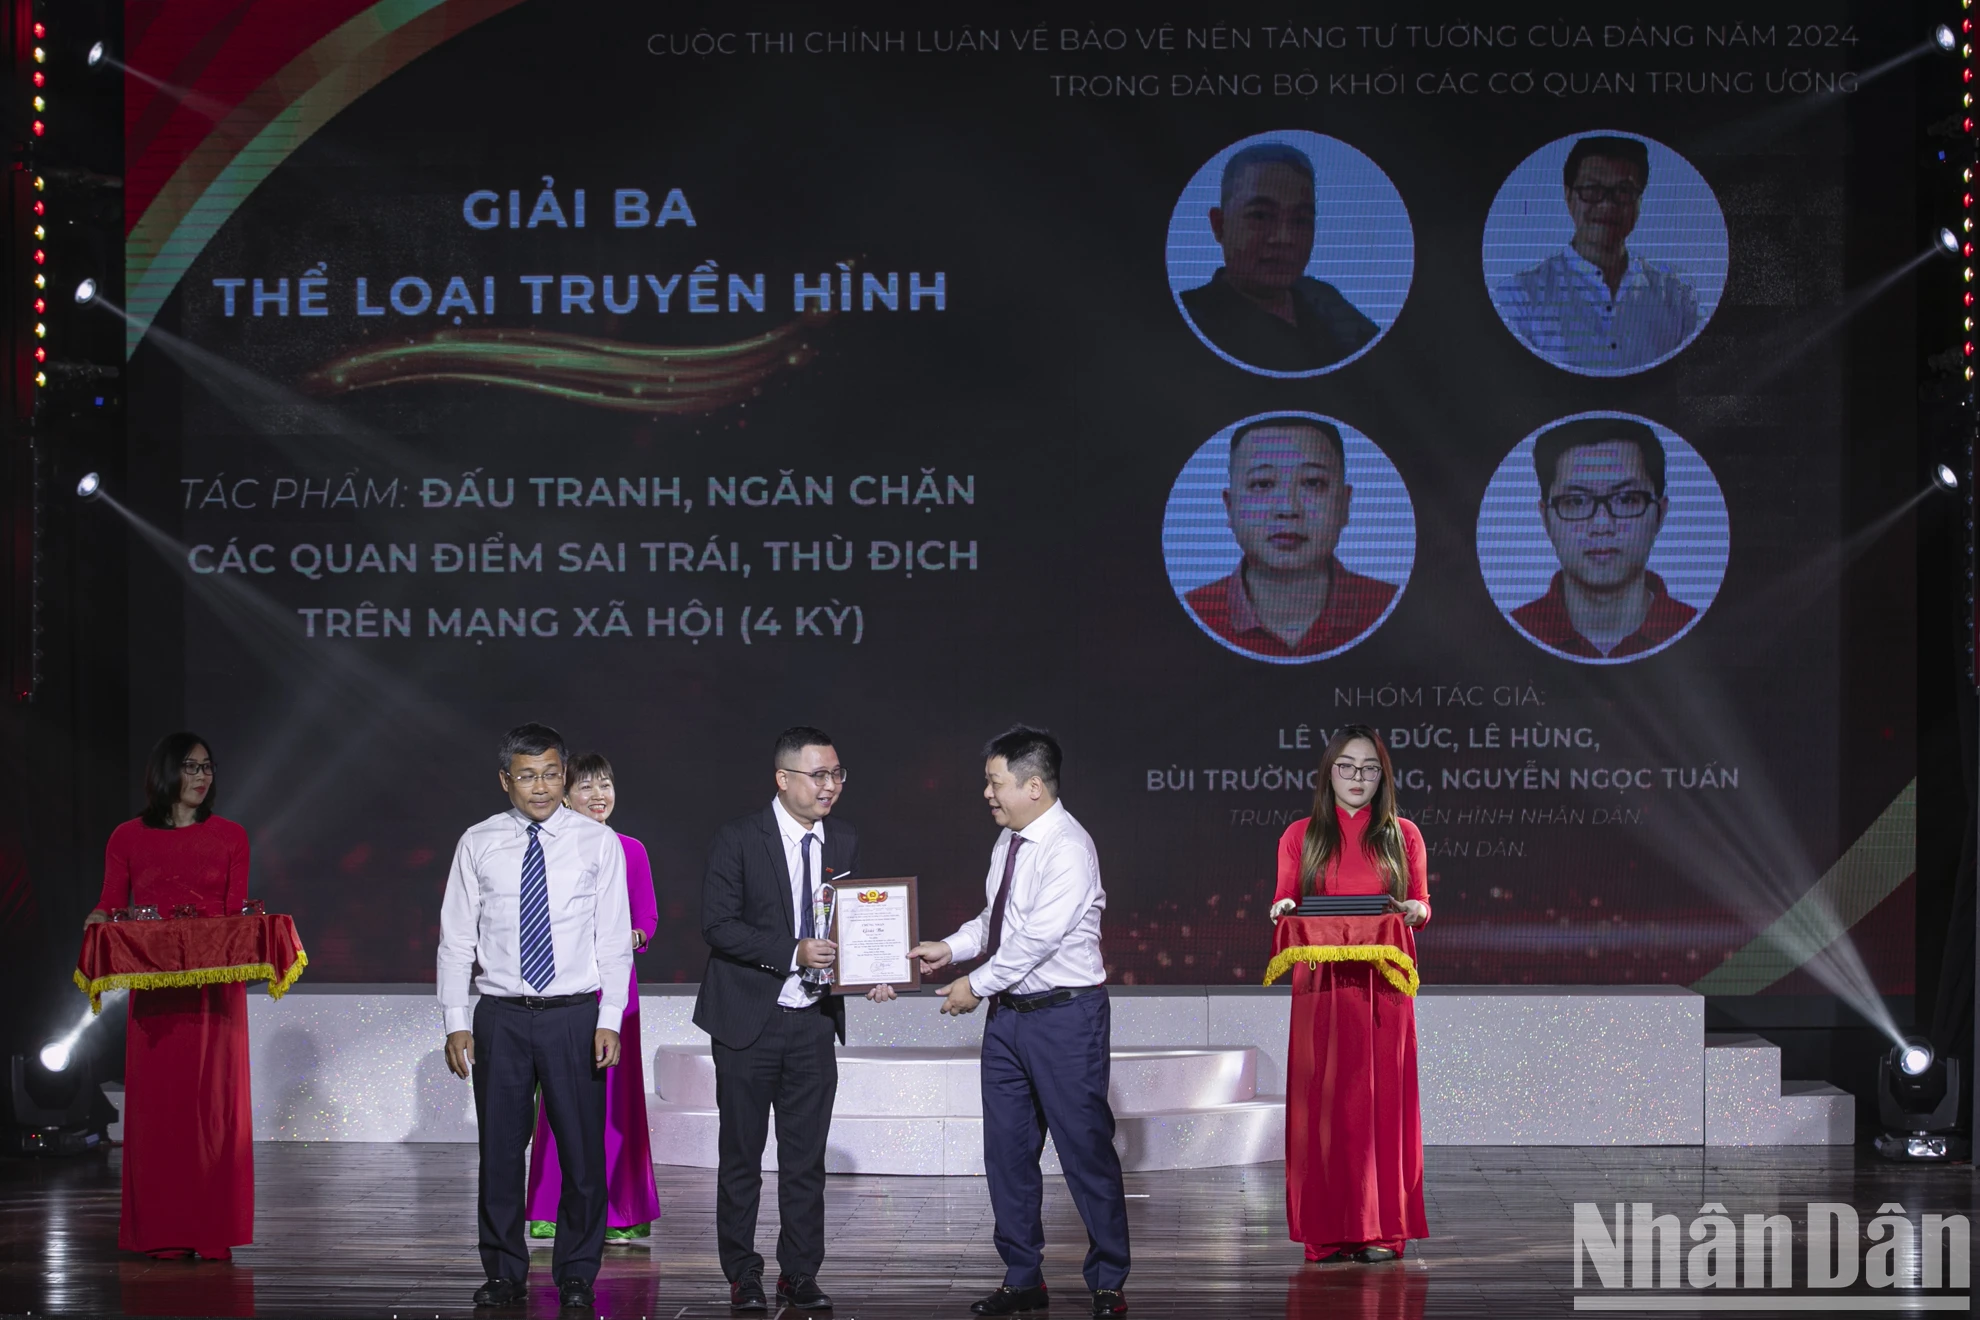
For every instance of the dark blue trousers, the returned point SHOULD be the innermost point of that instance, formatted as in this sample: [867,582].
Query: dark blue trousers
[518,1052]
[1047,1071]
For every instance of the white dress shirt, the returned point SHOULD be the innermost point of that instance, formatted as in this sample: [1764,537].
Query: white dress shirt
[590,918]
[1051,934]
[1563,308]
[793,994]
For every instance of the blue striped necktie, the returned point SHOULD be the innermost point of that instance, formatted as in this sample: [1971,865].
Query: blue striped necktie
[539,962]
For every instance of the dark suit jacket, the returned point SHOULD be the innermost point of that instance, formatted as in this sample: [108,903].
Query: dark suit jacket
[746,919]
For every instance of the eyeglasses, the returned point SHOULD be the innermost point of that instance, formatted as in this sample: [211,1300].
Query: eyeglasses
[1349,770]
[1594,194]
[530,779]
[1577,506]
[195,769]
[822,778]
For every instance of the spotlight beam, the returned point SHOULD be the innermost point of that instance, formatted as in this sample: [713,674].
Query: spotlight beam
[58,1054]
[1766,125]
[350,699]
[1784,347]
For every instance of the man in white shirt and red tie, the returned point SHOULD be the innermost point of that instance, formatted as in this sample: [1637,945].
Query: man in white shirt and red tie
[537,897]
[1047,1045]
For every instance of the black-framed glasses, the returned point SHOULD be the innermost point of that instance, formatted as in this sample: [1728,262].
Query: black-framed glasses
[1349,770]
[530,779]
[822,778]
[1594,194]
[1579,506]
[195,769]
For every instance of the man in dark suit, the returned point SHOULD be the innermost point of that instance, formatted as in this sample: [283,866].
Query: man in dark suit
[766,1002]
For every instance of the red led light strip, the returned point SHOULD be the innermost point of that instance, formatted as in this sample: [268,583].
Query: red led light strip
[38,126]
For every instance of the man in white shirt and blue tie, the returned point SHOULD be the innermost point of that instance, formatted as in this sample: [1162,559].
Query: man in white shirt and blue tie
[537,897]
[1047,1045]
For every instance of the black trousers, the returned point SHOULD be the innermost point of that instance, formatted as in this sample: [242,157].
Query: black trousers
[792,1068]
[516,1052]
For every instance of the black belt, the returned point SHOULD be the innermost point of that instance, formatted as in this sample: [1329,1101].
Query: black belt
[1044,998]
[802,1008]
[537,1003]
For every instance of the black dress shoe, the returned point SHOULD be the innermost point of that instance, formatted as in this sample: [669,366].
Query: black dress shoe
[803,1292]
[499,1292]
[1011,1301]
[1109,1301]
[1375,1255]
[746,1294]
[575,1295]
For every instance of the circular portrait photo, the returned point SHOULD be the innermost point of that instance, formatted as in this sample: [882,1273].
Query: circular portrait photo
[1603,538]
[1605,253]
[1290,254]
[1289,537]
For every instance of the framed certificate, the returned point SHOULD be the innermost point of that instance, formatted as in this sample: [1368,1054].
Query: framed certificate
[875,923]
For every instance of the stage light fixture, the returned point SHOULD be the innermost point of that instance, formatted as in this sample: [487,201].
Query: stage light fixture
[55,1055]
[1948,241]
[58,1111]
[1945,479]
[89,487]
[1945,37]
[1918,1099]
[40,55]
[96,54]
[86,293]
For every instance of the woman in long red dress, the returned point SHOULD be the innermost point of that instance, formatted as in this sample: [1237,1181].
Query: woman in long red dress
[188,1121]
[1354,1133]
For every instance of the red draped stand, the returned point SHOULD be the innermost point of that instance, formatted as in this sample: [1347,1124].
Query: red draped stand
[1354,1131]
[188,1129]
[194,951]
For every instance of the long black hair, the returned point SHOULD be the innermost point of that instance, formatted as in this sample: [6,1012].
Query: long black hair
[1382,843]
[163,779]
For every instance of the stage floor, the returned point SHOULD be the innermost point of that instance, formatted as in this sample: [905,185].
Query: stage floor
[352,1229]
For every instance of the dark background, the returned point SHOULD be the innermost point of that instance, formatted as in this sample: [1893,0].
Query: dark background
[1061,377]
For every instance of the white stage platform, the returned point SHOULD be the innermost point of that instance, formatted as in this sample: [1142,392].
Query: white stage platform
[1199,1076]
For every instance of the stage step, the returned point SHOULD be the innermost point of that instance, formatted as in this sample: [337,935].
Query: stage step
[919,1111]
[1747,1103]
[916,1082]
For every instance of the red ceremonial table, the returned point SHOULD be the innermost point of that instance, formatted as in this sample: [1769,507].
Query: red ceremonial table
[155,955]
[1383,940]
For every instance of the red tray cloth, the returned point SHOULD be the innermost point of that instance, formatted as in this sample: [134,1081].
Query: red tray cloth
[1385,941]
[155,955]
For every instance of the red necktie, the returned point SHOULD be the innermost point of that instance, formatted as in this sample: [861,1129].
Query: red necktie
[1003,896]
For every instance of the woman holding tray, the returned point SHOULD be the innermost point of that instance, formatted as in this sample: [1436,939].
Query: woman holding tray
[188,1120]
[632,1199]
[1354,1135]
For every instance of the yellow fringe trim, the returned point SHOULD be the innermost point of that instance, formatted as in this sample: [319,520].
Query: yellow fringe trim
[277,986]
[1397,967]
